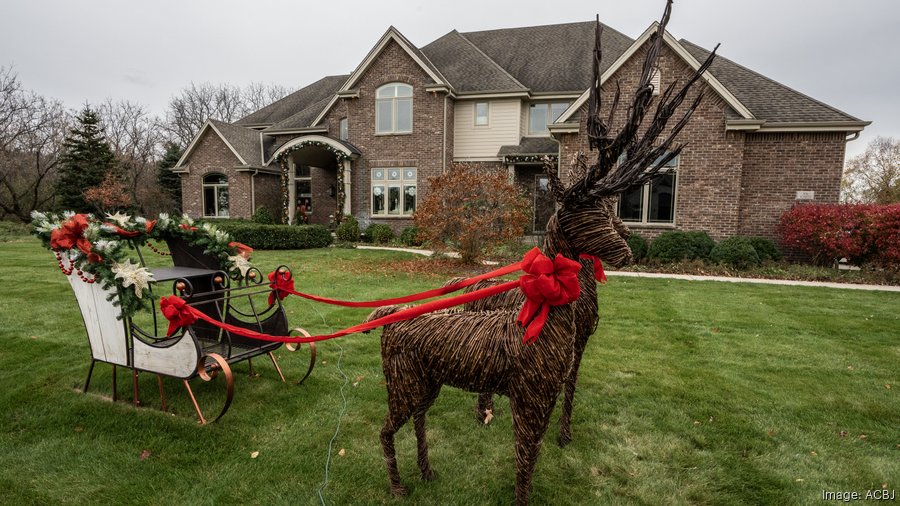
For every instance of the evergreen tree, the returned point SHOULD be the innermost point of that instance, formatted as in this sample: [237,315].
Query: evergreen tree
[86,160]
[168,181]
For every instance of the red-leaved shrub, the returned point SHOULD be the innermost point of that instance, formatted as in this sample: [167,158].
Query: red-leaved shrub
[864,233]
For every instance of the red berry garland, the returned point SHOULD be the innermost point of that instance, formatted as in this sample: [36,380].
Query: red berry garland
[157,251]
[68,272]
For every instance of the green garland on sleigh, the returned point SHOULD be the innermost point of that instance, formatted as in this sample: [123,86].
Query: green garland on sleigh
[100,248]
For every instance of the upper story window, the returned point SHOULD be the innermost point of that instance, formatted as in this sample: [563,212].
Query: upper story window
[542,114]
[393,109]
[394,191]
[344,130]
[482,113]
[652,202]
[215,196]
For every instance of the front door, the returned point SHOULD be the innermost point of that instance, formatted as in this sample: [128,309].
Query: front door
[544,204]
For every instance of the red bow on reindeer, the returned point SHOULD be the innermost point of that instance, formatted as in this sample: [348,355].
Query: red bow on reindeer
[176,310]
[545,283]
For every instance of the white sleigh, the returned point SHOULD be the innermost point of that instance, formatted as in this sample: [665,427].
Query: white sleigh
[200,350]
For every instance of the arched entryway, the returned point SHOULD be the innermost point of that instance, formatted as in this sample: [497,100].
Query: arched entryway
[315,178]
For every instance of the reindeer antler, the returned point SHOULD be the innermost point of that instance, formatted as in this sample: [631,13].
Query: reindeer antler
[644,157]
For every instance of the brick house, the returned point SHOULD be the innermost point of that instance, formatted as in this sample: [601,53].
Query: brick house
[366,143]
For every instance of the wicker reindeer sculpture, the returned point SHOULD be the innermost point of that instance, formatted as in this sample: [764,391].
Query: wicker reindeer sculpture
[483,351]
[585,317]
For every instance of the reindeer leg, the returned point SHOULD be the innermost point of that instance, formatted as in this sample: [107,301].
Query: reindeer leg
[402,398]
[565,419]
[531,416]
[419,422]
[484,404]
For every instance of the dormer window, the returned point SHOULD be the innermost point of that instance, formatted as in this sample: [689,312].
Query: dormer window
[393,109]
[541,115]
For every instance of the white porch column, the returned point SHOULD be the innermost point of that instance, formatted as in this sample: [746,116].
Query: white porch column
[347,175]
[511,170]
[292,191]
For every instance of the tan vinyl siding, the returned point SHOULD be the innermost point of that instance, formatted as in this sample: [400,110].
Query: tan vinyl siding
[483,142]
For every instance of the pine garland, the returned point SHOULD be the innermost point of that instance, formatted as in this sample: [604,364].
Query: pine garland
[110,240]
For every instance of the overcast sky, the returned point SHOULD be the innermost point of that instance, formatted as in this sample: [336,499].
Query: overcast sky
[846,54]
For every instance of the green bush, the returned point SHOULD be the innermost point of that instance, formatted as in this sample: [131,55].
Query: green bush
[766,249]
[380,233]
[11,230]
[638,247]
[278,236]
[348,230]
[675,246]
[409,236]
[263,216]
[737,252]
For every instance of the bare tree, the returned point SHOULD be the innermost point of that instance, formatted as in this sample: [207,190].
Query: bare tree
[197,103]
[32,129]
[136,140]
[874,176]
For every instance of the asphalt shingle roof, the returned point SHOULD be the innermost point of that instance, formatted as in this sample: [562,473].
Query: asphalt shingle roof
[245,141]
[291,104]
[765,98]
[466,67]
[531,146]
[552,57]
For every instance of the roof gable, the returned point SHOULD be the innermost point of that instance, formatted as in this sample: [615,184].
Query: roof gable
[244,143]
[392,34]
[280,110]
[679,50]
[467,67]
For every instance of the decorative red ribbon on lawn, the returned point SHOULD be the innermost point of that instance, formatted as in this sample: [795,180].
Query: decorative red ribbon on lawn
[545,283]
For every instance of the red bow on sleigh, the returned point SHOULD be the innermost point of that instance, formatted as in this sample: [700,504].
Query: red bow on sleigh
[282,285]
[176,310]
[242,249]
[545,283]
[70,234]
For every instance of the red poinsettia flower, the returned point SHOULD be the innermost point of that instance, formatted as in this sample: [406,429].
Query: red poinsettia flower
[70,234]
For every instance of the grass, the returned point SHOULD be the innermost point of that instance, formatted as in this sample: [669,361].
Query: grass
[690,393]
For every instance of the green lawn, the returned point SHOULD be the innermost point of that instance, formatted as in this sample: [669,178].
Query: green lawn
[691,393]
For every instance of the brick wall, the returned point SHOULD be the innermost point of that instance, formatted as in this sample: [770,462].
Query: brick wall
[211,155]
[709,171]
[422,149]
[268,193]
[777,165]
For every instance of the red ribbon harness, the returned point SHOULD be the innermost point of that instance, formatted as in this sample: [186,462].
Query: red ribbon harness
[545,283]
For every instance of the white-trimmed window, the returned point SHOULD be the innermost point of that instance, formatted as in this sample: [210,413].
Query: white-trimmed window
[652,202]
[542,114]
[482,113]
[394,191]
[215,196]
[393,109]
[344,132]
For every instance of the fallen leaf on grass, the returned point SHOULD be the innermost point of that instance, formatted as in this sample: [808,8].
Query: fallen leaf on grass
[849,367]
[843,433]
[715,330]
[145,454]
[360,378]
[862,436]
[814,454]
[887,385]
[799,480]
[254,455]
[696,422]
[79,429]
[34,337]
[324,362]
[488,416]
[342,452]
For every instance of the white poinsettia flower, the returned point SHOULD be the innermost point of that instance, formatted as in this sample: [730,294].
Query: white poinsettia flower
[104,245]
[222,236]
[68,214]
[38,216]
[187,220]
[120,218]
[133,274]
[108,228]
[240,263]
[140,220]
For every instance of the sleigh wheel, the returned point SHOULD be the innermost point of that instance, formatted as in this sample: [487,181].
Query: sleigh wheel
[312,352]
[208,369]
